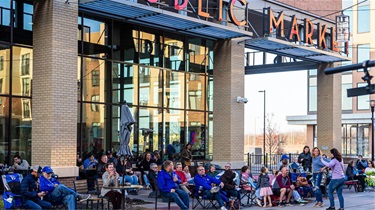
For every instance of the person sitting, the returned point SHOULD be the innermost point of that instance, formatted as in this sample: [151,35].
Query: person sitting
[283,186]
[352,174]
[188,175]
[294,165]
[248,183]
[212,171]
[100,170]
[283,157]
[20,164]
[29,191]
[111,159]
[168,182]
[204,184]
[158,160]
[181,174]
[229,186]
[144,166]
[152,175]
[56,192]
[110,178]
[126,172]
[90,162]
[284,163]
[361,164]
[371,167]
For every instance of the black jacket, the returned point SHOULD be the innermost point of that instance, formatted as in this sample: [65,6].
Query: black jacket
[307,159]
[29,189]
[349,172]
[227,179]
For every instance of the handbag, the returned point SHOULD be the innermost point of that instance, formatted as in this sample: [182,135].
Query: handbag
[301,181]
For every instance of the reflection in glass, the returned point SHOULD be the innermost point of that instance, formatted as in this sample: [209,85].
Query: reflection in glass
[116,110]
[150,86]
[174,54]
[196,130]
[94,31]
[22,73]
[210,56]
[93,125]
[125,76]
[21,128]
[93,79]
[149,118]
[28,17]
[174,90]
[195,86]
[4,115]
[196,56]
[210,137]
[150,49]
[174,132]
[4,69]
[210,96]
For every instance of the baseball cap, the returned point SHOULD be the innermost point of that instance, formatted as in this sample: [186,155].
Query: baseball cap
[108,152]
[36,168]
[47,169]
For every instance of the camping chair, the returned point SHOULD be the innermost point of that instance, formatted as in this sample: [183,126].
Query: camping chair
[12,190]
[81,187]
[202,201]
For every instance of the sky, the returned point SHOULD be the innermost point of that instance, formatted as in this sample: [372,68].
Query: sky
[286,94]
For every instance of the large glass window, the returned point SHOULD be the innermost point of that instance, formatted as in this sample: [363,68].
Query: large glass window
[363,53]
[149,118]
[93,85]
[196,55]
[363,23]
[362,101]
[346,84]
[22,71]
[28,17]
[125,80]
[174,133]
[196,130]
[150,48]
[195,86]
[174,90]
[174,53]
[313,94]
[4,70]
[355,140]
[150,86]
[5,12]
[4,125]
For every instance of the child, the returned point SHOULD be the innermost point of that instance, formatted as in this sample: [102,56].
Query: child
[264,184]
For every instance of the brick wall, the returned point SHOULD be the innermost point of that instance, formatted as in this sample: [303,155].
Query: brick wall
[55,83]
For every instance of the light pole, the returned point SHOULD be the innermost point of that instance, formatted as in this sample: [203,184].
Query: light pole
[264,125]
[372,104]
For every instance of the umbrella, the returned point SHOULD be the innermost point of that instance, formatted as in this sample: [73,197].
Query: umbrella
[126,123]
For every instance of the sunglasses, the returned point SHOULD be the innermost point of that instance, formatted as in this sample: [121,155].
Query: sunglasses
[201,169]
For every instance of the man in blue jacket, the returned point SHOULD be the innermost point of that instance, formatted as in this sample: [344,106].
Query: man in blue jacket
[203,183]
[29,190]
[58,192]
[168,183]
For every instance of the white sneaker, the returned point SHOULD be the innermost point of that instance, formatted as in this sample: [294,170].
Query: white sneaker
[223,208]
[259,203]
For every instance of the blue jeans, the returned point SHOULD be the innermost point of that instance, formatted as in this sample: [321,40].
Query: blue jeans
[215,196]
[317,178]
[336,184]
[37,204]
[132,179]
[67,195]
[147,183]
[180,197]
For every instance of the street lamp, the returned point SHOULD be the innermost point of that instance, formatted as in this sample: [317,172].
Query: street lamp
[264,125]
[372,104]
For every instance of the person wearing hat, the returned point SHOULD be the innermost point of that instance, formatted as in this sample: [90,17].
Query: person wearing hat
[111,159]
[29,191]
[283,157]
[56,192]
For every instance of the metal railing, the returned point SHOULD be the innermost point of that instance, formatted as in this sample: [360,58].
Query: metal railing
[257,161]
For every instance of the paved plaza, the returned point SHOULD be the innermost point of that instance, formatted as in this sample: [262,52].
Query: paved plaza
[353,200]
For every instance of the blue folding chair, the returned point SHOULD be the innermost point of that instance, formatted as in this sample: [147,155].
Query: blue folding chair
[12,190]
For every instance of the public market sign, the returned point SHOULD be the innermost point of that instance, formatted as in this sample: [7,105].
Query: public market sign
[183,5]
[293,33]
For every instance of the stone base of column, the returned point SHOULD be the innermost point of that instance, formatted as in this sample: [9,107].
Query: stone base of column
[66,171]
[235,164]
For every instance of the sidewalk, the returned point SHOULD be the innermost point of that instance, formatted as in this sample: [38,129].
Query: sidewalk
[353,200]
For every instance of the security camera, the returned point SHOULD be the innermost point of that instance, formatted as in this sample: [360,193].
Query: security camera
[243,100]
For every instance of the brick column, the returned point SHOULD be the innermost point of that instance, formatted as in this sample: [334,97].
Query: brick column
[329,110]
[54,93]
[228,123]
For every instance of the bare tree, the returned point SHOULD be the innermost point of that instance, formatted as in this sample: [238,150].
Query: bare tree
[271,134]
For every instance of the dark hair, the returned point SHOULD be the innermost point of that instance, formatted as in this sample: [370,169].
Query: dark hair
[372,163]
[263,169]
[17,156]
[336,154]
[351,163]
[305,148]
[276,172]
[285,161]
[315,149]
[188,145]
[244,168]
[110,163]
[167,163]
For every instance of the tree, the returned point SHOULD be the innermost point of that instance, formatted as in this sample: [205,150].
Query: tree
[273,136]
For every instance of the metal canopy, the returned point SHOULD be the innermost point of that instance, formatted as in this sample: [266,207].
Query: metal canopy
[289,49]
[161,19]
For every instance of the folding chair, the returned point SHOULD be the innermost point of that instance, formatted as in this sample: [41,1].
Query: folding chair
[81,187]
[12,190]
[250,195]
[202,200]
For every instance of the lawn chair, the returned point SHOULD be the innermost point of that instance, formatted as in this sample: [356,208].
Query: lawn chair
[12,190]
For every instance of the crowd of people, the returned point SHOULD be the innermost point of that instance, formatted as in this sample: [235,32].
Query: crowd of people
[174,180]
